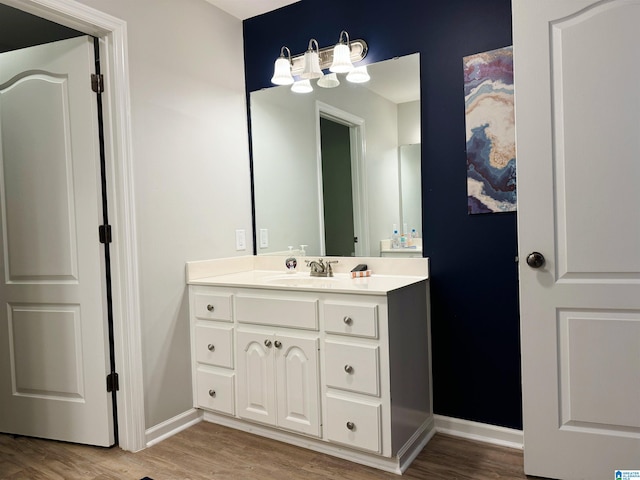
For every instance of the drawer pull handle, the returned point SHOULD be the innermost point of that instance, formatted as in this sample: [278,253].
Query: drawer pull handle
[277,344]
[347,320]
[267,343]
[348,368]
[210,307]
[351,425]
[211,347]
[212,393]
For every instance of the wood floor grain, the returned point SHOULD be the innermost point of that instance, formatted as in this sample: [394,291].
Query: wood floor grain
[211,452]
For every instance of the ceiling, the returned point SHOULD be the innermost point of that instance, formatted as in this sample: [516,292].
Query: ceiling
[244,9]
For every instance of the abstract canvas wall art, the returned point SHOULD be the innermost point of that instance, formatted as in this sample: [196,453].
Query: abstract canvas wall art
[490,131]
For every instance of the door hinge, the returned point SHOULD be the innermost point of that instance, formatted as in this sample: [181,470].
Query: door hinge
[112,382]
[97,82]
[104,233]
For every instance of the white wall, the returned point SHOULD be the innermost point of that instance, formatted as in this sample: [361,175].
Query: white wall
[409,123]
[191,166]
[410,164]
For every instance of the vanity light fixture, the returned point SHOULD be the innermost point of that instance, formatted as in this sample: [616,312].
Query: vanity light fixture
[358,75]
[312,62]
[342,55]
[282,68]
[302,86]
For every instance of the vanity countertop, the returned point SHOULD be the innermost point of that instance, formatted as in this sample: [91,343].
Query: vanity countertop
[339,283]
[266,273]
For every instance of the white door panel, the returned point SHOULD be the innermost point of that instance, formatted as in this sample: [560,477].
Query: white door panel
[298,397]
[256,377]
[577,115]
[590,156]
[53,338]
[41,232]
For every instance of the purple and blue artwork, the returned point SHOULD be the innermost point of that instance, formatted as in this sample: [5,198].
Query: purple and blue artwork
[490,131]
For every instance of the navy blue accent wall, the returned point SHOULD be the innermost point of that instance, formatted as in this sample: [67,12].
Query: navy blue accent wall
[474,282]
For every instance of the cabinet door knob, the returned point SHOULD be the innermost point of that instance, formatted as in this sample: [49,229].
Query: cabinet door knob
[351,425]
[267,343]
[348,368]
[210,307]
[347,320]
[211,347]
[277,344]
[212,393]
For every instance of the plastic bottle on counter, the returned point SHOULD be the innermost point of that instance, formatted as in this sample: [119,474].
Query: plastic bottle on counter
[395,237]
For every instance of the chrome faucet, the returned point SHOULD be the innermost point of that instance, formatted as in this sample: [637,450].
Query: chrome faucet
[320,268]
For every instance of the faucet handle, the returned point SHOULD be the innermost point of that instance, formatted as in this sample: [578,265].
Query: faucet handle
[329,268]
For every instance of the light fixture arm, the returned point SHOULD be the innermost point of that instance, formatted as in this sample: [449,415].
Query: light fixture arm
[345,34]
[310,47]
[288,56]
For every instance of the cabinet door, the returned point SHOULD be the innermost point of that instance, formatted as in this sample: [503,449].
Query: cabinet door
[297,384]
[256,377]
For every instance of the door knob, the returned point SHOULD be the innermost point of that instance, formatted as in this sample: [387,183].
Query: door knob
[277,344]
[535,260]
[267,343]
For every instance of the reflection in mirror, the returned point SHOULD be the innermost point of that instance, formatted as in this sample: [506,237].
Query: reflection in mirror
[335,169]
[411,186]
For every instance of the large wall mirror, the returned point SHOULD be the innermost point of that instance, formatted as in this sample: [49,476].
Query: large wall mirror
[336,168]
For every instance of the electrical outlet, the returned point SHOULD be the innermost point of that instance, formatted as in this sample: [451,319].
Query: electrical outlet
[264,238]
[241,240]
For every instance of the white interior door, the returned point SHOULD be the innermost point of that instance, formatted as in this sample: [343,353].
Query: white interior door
[577,70]
[53,329]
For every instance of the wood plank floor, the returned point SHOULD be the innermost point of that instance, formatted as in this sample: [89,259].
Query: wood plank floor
[207,451]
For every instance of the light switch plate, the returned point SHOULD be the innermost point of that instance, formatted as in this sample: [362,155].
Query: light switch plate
[241,240]
[264,238]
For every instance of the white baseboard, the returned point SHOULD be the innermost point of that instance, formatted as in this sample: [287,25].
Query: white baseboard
[172,426]
[482,432]
[390,464]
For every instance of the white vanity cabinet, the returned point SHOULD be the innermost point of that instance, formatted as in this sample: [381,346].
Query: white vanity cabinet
[342,372]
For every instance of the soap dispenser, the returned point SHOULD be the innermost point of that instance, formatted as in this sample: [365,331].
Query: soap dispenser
[291,263]
[303,252]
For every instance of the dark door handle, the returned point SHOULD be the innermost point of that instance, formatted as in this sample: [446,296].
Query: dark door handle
[535,260]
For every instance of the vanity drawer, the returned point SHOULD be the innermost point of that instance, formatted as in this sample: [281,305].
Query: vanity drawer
[214,345]
[215,391]
[352,367]
[354,423]
[360,320]
[211,306]
[280,312]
